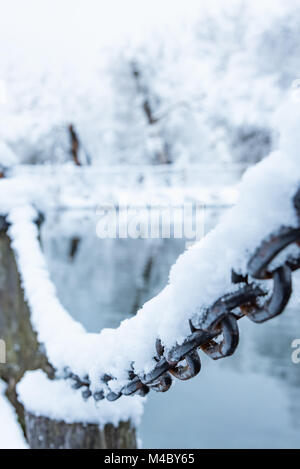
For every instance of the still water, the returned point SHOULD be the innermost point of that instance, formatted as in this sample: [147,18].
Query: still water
[250,400]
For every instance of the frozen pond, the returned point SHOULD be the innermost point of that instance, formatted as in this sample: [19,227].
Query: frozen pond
[250,400]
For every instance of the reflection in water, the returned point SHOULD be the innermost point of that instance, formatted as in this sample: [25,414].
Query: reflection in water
[109,280]
[272,350]
[250,400]
[103,281]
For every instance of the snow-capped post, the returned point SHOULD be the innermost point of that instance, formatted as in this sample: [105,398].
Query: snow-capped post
[24,352]
[22,349]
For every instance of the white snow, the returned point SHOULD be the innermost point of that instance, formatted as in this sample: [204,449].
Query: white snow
[58,401]
[66,186]
[11,436]
[211,91]
[213,73]
[200,276]
[7,156]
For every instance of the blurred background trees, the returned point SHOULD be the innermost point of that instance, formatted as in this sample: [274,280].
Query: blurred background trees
[201,89]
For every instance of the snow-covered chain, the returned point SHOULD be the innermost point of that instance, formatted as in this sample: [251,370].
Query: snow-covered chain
[107,363]
[220,318]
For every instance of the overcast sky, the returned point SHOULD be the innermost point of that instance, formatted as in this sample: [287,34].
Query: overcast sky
[103,20]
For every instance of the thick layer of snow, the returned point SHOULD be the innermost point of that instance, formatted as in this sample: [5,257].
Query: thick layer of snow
[200,276]
[212,93]
[66,404]
[11,436]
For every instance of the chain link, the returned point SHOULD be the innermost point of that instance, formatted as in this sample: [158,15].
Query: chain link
[219,321]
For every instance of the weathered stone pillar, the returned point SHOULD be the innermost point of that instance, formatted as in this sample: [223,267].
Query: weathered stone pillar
[43,433]
[23,353]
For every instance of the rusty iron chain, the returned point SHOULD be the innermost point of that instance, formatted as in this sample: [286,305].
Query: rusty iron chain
[219,321]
